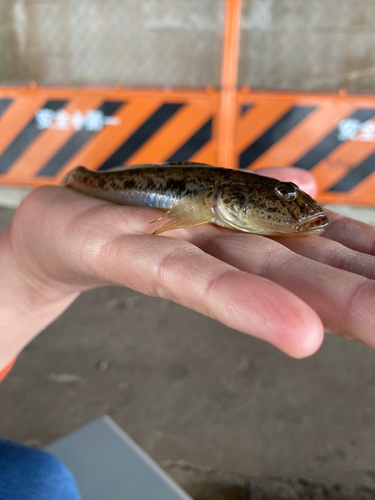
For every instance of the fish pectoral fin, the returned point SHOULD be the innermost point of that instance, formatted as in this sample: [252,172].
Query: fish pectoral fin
[192,210]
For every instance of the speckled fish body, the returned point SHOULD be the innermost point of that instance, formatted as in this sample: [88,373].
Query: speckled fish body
[191,194]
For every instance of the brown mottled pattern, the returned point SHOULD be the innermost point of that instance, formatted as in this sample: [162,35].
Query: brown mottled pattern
[174,181]
[249,199]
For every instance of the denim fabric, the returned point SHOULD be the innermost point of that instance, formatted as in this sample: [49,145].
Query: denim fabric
[30,474]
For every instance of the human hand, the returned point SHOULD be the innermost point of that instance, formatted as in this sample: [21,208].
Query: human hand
[282,290]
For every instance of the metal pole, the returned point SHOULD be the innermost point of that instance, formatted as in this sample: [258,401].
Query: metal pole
[228,91]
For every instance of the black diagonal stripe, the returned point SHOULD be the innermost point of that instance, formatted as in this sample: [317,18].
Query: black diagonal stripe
[141,135]
[25,138]
[292,118]
[245,108]
[76,142]
[195,142]
[4,103]
[330,142]
[356,176]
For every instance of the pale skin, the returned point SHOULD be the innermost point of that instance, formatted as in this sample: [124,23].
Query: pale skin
[285,291]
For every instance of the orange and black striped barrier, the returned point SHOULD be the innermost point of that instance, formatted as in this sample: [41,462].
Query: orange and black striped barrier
[332,136]
[44,133]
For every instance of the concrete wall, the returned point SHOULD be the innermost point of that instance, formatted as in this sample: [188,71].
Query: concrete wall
[308,45]
[285,44]
[138,43]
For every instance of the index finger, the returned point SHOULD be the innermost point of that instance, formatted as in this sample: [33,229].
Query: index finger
[350,232]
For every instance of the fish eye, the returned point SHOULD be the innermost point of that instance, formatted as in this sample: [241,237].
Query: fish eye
[286,191]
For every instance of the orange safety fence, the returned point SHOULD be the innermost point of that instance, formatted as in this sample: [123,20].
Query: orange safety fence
[45,132]
[332,136]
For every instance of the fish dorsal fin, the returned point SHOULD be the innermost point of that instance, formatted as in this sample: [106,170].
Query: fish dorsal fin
[163,164]
[186,164]
[192,210]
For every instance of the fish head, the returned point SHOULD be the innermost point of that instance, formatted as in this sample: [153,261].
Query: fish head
[270,207]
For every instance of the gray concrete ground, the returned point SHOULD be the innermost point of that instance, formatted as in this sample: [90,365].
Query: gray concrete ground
[187,388]
[209,484]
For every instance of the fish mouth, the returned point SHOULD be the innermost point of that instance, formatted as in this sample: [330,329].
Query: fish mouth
[315,223]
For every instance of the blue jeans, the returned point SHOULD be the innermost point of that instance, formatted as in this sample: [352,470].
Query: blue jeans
[30,474]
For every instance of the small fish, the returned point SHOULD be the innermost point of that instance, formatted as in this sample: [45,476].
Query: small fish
[191,194]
